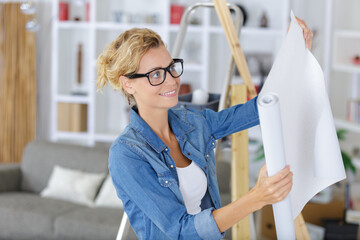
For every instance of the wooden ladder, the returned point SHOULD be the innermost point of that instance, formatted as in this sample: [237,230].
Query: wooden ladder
[239,157]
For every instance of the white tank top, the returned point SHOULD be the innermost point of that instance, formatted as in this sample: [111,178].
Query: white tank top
[193,186]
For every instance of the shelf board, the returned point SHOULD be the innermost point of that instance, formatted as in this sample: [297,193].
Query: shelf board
[275,32]
[346,67]
[73,135]
[73,99]
[105,137]
[73,25]
[347,33]
[106,25]
[124,26]
[172,27]
[191,28]
[244,31]
[341,123]
[263,31]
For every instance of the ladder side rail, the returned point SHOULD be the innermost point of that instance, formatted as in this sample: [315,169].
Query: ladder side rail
[185,22]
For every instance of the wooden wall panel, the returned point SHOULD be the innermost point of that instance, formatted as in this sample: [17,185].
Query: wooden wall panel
[17,83]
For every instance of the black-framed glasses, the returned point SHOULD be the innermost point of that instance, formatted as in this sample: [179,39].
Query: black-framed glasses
[158,75]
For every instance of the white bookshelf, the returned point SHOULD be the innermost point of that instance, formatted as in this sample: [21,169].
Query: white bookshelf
[344,43]
[344,124]
[107,113]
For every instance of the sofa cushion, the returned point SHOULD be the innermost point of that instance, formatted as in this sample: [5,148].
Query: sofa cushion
[95,223]
[107,196]
[33,214]
[40,157]
[10,175]
[73,185]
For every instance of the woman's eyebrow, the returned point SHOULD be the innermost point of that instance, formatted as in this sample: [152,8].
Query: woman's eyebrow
[154,68]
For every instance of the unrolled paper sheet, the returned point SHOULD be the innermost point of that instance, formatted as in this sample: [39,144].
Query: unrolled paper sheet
[309,137]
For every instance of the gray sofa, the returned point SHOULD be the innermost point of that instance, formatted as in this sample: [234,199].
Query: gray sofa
[24,214]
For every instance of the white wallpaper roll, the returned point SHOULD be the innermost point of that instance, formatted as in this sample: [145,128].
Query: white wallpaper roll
[295,90]
[270,121]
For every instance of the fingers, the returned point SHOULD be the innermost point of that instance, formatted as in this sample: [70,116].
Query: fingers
[281,194]
[273,189]
[308,35]
[280,180]
[308,41]
[280,185]
[285,182]
[280,175]
[284,191]
[263,171]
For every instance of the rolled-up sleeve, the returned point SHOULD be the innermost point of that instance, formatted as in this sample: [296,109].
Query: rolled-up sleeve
[206,226]
[149,201]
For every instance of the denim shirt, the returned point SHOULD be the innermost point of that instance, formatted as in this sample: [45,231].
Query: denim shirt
[144,174]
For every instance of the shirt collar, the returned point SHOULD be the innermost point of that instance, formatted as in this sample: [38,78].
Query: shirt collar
[177,123]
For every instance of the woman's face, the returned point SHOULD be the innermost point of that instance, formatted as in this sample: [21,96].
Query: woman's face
[164,95]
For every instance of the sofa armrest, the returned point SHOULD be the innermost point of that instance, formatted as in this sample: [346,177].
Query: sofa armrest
[10,176]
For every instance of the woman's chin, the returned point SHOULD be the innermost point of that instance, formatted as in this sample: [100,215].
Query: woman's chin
[174,103]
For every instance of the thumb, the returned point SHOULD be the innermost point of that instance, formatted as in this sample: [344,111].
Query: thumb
[263,171]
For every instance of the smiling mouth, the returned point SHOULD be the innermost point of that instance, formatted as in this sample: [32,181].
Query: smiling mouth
[168,93]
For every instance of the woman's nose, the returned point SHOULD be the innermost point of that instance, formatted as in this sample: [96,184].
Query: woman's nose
[169,80]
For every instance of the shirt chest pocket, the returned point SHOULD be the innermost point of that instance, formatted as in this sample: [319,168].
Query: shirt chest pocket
[166,179]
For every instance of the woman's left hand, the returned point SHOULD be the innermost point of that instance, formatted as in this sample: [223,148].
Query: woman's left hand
[308,35]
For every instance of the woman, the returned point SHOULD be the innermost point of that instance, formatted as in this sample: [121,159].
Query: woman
[163,165]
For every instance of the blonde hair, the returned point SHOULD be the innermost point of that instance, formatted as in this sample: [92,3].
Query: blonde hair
[123,55]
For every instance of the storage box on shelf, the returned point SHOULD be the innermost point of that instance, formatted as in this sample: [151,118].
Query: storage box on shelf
[72,117]
[107,113]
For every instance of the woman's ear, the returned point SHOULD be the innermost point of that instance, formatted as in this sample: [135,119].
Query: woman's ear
[126,84]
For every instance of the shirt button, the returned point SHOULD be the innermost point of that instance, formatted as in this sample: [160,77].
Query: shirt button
[205,167]
[166,149]
[209,185]
[213,143]
[188,153]
[171,166]
[207,155]
[166,181]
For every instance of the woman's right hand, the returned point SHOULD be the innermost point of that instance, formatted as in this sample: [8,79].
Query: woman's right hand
[269,190]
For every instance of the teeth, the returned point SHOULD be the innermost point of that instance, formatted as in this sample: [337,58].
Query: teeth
[168,93]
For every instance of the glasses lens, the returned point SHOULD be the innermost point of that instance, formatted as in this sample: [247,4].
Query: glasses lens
[157,76]
[176,69]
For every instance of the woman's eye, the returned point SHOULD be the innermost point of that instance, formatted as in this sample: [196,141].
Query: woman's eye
[155,74]
[172,67]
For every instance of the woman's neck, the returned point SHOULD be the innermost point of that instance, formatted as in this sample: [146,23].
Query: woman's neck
[157,119]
